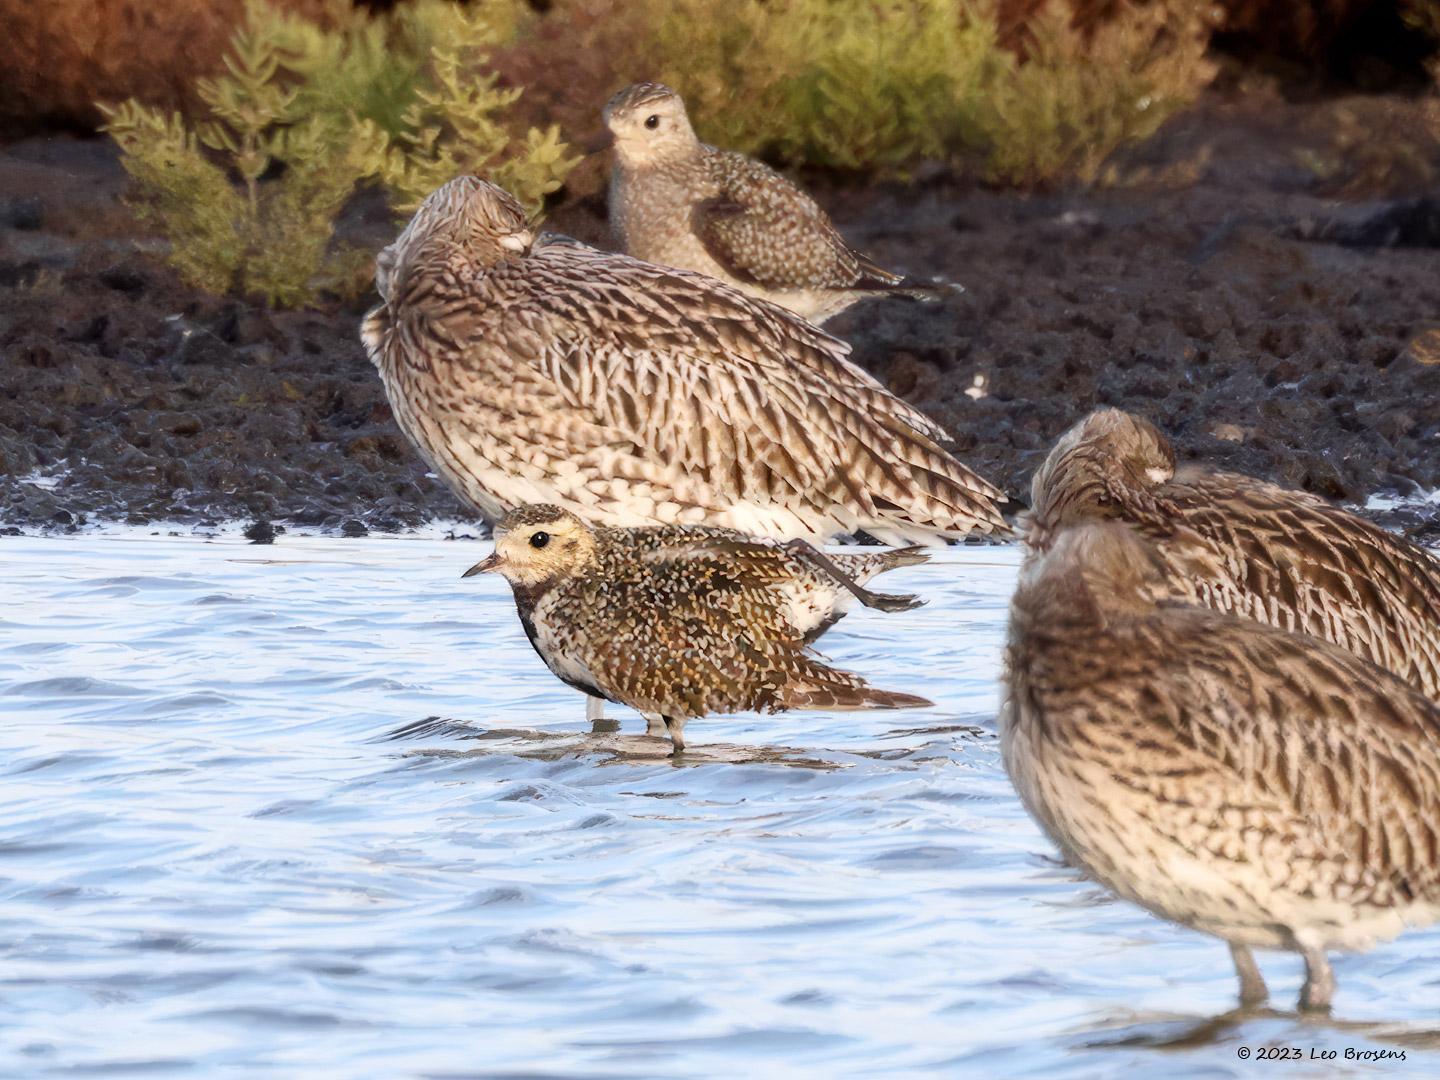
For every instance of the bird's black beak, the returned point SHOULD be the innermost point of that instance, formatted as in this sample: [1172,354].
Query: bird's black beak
[602,140]
[485,565]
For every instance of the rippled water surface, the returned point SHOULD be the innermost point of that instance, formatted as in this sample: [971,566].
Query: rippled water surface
[218,858]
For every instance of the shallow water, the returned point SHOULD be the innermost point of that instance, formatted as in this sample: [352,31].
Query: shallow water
[218,858]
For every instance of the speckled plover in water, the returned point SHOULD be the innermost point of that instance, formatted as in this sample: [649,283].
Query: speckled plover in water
[676,631]
[1263,786]
[632,394]
[1238,544]
[678,202]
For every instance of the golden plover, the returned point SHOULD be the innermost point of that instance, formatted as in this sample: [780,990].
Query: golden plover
[632,394]
[678,202]
[675,631]
[1265,787]
[1238,544]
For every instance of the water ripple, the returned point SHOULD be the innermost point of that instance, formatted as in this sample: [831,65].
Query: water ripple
[320,811]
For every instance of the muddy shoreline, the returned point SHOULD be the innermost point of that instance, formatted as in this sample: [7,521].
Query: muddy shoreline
[1268,325]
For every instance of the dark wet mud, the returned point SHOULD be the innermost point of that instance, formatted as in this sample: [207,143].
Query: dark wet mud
[1267,324]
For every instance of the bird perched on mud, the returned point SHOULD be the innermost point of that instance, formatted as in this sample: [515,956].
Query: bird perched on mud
[676,631]
[678,202]
[632,394]
[1265,787]
[1238,544]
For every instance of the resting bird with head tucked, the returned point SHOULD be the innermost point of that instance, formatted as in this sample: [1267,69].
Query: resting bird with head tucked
[682,626]
[632,394]
[1266,787]
[1238,544]
[678,202]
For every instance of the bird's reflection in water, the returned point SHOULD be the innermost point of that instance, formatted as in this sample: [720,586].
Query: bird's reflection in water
[1253,1027]
[610,745]
[604,742]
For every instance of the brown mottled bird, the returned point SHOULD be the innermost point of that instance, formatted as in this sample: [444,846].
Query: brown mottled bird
[678,202]
[1265,787]
[1238,544]
[632,394]
[714,625]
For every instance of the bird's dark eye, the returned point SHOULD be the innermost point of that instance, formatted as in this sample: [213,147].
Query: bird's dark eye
[539,539]
[652,122]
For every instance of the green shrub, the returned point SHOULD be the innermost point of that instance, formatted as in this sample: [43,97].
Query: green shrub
[883,85]
[265,236]
[454,124]
[1077,97]
[248,193]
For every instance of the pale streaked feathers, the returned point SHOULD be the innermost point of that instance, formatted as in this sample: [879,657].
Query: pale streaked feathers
[1262,786]
[632,394]
[1238,544]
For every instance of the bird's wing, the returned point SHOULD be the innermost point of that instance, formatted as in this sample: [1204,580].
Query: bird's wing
[722,641]
[1347,579]
[736,393]
[1323,748]
[712,641]
[764,230]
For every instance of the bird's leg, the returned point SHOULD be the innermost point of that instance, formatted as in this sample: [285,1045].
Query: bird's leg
[1252,983]
[883,601]
[676,726]
[1319,985]
[655,725]
[595,713]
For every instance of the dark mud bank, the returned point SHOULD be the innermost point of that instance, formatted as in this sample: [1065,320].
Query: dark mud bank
[1266,329]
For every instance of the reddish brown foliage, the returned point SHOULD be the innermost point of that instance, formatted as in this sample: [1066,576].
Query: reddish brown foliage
[63,55]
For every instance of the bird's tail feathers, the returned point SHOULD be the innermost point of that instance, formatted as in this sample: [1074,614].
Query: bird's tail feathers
[845,695]
[913,555]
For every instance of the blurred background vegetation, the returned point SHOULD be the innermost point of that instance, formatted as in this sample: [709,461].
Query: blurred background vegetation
[246,125]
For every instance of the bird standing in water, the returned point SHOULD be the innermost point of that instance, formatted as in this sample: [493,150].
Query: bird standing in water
[678,202]
[716,625]
[1263,786]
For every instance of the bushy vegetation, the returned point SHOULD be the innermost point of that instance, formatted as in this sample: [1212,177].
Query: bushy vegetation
[309,108]
[204,184]
[883,85]
[305,111]
[1077,97]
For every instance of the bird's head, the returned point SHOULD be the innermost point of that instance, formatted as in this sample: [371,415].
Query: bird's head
[468,219]
[647,124]
[1106,467]
[535,545]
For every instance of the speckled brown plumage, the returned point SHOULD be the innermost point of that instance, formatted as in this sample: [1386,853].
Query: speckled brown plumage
[817,588]
[675,631]
[1266,787]
[678,202]
[1238,544]
[633,394]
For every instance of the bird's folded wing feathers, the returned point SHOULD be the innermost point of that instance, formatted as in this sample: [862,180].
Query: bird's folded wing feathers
[739,393]
[1334,743]
[764,230]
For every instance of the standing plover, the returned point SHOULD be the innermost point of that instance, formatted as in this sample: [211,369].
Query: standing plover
[1238,544]
[678,202]
[1265,787]
[632,394]
[673,631]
